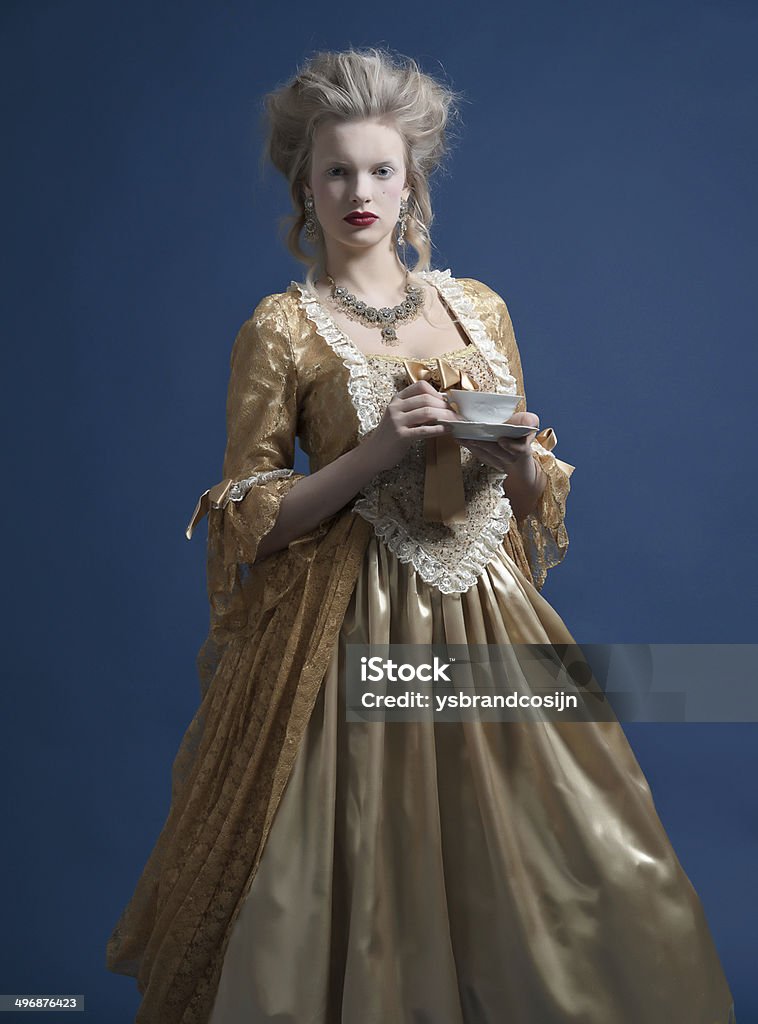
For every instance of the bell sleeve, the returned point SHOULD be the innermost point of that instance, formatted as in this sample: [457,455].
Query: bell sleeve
[261,423]
[543,530]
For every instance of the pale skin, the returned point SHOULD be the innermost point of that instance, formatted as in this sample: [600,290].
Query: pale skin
[360,165]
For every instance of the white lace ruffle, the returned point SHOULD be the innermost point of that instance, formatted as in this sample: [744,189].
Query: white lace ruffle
[464,309]
[240,488]
[478,554]
[353,359]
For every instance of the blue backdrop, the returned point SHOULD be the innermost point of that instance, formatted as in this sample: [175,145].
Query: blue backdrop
[602,183]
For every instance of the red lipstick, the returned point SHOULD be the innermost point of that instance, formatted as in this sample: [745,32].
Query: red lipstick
[361,218]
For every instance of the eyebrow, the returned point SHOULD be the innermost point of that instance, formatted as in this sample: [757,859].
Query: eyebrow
[334,160]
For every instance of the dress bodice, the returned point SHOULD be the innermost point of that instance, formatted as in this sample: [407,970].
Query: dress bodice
[344,395]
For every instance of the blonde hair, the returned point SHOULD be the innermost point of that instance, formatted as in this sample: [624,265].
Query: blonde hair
[352,85]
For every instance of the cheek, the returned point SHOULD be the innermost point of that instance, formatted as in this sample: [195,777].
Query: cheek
[328,193]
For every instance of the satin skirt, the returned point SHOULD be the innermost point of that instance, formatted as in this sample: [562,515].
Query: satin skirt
[465,872]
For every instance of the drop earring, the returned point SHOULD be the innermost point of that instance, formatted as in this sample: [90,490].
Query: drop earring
[402,220]
[310,219]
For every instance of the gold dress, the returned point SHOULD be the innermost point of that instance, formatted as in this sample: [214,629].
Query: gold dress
[318,871]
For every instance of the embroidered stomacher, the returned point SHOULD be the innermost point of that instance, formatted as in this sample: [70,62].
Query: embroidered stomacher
[449,557]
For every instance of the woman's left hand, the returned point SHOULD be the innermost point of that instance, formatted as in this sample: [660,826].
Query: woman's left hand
[511,455]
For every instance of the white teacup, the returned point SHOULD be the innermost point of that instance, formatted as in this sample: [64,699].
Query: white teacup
[484,406]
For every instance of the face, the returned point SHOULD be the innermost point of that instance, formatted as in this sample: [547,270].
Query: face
[357,165]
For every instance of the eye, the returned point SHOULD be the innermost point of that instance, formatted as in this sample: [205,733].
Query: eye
[389,171]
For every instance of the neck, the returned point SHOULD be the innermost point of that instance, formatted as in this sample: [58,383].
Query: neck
[372,275]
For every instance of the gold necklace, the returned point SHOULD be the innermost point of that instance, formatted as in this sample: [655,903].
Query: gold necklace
[386,316]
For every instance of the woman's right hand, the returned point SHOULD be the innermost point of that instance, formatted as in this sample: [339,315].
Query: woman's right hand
[407,418]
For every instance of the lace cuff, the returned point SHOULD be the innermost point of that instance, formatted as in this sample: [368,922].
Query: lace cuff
[219,496]
[544,530]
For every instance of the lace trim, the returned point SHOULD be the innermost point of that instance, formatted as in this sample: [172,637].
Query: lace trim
[406,549]
[240,488]
[464,308]
[354,360]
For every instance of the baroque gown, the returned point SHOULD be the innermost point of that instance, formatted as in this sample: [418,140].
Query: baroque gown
[314,870]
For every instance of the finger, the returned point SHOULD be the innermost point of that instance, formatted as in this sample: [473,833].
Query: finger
[419,387]
[424,413]
[525,419]
[426,429]
[422,400]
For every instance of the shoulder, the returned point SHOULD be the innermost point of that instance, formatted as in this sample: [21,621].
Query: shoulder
[489,305]
[286,309]
[482,293]
[270,311]
[266,332]
[486,301]
[271,317]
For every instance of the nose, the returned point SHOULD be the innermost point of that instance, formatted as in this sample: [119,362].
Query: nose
[362,192]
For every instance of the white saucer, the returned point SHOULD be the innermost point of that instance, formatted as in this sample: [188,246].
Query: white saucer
[468,430]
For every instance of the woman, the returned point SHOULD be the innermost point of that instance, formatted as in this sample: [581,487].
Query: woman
[315,869]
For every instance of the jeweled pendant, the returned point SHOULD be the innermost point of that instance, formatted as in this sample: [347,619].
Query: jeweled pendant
[384,317]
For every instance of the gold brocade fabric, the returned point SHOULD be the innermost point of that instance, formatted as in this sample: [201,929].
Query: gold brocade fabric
[275,626]
[465,872]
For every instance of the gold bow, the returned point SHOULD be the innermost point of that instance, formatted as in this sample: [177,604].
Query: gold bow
[215,497]
[444,499]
